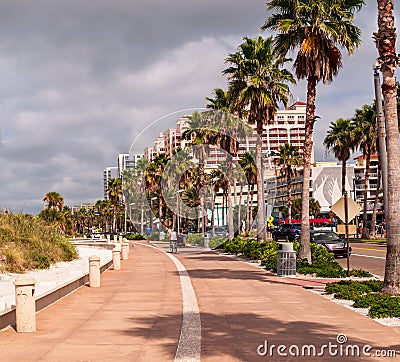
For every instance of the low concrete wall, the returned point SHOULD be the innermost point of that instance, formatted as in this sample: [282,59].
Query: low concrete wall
[43,301]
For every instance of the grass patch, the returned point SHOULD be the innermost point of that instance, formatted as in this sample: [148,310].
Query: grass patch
[27,242]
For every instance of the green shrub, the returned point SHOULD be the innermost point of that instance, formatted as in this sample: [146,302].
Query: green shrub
[217,242]
[368,300]
[195,239]
[42,261]
[389,308]
[323,262]
[135,237]
[360,273]
[365,294]
[268,258]
[352,290]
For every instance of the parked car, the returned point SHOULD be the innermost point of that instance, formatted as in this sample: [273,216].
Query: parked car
[220,231]
[331,241]
[288,232]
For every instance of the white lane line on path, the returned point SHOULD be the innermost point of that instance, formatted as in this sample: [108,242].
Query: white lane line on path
[189,344]
[368,256]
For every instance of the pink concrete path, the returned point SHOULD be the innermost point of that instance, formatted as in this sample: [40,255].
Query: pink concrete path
[127,319]
[136,316]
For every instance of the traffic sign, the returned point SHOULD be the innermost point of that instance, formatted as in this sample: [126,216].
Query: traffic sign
[352,207]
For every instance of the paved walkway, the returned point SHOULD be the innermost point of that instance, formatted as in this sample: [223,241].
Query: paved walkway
[137,314]
[126,319]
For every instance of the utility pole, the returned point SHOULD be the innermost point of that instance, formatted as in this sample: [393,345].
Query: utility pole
[381,135]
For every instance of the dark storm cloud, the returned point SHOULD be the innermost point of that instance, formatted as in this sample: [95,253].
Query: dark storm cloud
[80,80]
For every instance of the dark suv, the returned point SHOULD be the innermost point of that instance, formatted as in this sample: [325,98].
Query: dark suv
[288,232]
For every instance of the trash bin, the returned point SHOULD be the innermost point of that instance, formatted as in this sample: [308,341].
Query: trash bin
[286,260]
[206,240]
[161,236]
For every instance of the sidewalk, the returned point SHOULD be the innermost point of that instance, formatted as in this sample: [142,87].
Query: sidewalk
[136,315]
[123,320]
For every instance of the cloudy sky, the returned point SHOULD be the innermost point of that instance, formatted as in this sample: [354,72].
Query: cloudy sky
[81,80]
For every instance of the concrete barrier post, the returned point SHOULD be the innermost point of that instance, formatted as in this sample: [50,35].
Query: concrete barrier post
[115,238]
[25,304]
[108,238]
[116,255]
[120,239]
[94,271]
[125,251]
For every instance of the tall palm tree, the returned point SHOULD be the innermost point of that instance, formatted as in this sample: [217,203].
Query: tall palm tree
[200,134]
[385,40]
[248,164]
[114,191]
[229,131]
[340,140]
[140,170]
[258,83]
[317,28]
[366,135]
[288,159]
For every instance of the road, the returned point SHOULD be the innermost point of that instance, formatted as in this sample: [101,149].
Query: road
[367,256]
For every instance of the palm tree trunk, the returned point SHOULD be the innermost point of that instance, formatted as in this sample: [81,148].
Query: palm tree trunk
[365,231]
[289,203]
[234,191]
[343,177]
[212,211]
[240,210]
[248,208]
[261,236]
[142,215]
[386,44]
[115,218]
[229,198]
[305,250]
[251,208]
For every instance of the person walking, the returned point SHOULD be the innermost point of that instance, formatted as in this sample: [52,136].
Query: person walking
[173,240]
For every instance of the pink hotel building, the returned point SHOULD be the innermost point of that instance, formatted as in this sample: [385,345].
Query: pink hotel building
[288,126]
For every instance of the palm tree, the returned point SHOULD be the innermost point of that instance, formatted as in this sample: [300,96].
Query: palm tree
[258,83]
[385,40]
[104,208]
[200,135]
[140,170]
[288,159]
[54,200]
[340,140]
[313,205]
[366,135]
[248,164]
[191,199]
[114,191]
[220,102]
[317,28]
